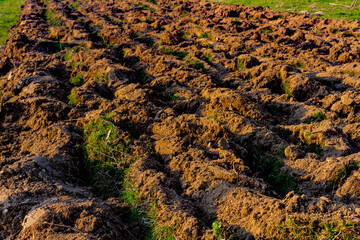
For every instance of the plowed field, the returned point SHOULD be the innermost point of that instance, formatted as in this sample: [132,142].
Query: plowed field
[228,121]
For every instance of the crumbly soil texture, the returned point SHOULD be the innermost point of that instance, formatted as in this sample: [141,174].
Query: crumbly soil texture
[237,115]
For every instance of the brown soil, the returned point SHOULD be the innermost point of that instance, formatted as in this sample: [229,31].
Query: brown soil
[254,86]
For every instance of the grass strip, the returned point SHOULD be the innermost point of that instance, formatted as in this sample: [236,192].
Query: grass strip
[9,15]
[330,8]
[108,160]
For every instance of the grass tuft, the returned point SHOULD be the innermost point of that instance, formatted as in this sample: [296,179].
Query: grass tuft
[101,78]
[181,55]
[218,230]
[285,85]
[297,64]
[208,58]
[198,66]
[339,10]
[53,19]
[77,80]
[205,35]
[267,30]
[282,182]
[159,230]
[74,99]
[52,46]
[318,117]
[239,64]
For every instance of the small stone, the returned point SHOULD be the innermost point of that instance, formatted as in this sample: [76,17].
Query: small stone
[223,144]
[306,13]
[319,13]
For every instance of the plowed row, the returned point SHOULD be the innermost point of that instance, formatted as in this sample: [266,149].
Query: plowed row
[237,115]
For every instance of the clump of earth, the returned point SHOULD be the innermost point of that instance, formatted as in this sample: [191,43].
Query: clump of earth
[237,115]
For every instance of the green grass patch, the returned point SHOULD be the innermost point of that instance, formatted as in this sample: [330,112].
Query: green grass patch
[208,58]
[267,30]
[9,15]
[74,99]
[337,8]
[148,41]
[68,56]
[53,19]
[272,173]
[101,78]
[74,5]
[108,157]
[314,229]
[239,64]
[171,96]
[81,20]
[318,117]
[186,36]
[159,231]
[351,73]
[269,167]
[1,88]
[110,45]
[77,80]
[217,117]
[184,14]
[222,232]
[198,66]
[297,64]
[181,55]
[205,35]
[70,8]
[285,86]
[344,172]
[108,161]
[324,81]
[52,46]
[76,65]
[218,230]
